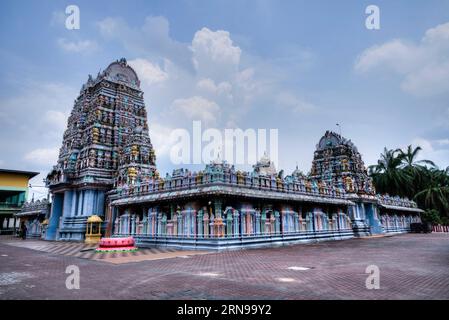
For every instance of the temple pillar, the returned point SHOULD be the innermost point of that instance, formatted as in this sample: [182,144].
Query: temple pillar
[175,224]
[159,224]
[310,222]
[236,227]
[218,225]
[263,218]
[88,206]
[206,225]
[199,218]
[56,213]
[100,202]
[242,222]
[277,225]
[164,224]
[128,222]
[79,212]
[152,217]
[296,221]
[67,205]
[229,223]
[133,224]
[74,203]
[257,215]
[180,222]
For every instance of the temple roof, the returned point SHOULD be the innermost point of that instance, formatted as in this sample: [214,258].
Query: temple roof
[118,71]
[265,166]
[121,71]
[332,139]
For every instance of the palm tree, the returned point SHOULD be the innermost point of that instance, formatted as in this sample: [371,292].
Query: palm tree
[416,169]
[409,157]
[399,172]
[435,195]
[388,176]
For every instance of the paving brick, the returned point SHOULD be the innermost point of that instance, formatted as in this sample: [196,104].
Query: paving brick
[412,266]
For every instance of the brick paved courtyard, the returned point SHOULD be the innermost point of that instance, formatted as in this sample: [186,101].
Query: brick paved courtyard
[412,266]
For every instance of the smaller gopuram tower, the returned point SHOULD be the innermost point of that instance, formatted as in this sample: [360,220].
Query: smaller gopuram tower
[338,162]
[106,141]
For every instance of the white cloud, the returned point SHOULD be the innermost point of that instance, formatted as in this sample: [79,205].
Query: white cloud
[443,142]
[151,40]
[209,85]
[211,67]
[434,150]
[55,119]
[425,144]
[214,54]
[159,138]
[291,101]
[35,116]
[42,156]
[423,66]
[197,108]
[396,55]
[80,46]
[148,72]
[58,19]
[211,78]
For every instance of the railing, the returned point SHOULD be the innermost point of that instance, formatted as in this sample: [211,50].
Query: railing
[251,183]
[440,228]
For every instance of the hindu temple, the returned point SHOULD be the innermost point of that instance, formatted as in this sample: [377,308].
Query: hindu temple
[107,168]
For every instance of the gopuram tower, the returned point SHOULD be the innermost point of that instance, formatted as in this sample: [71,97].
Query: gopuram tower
[106,143]
[338,162]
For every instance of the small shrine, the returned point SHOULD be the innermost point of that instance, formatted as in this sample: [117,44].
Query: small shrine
[93,229]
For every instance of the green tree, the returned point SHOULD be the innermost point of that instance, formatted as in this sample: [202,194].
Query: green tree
[399,172]
[409,158]
[415,169]
[388,174]
[435,192]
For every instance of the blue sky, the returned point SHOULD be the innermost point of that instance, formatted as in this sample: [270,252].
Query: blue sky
[298,66]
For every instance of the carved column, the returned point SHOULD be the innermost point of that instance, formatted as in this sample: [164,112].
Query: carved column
[218,220]
[180,222]
[296,221]
[263,221]
[277,225]
[206,225]
[133,224]
[229,223]
[199,218]
[257,214]
[236,231]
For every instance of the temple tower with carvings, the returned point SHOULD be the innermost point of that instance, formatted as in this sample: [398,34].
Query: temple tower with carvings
[106,143]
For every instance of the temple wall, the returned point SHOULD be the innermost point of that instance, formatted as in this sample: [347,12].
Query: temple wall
[393,222]
[193,225]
